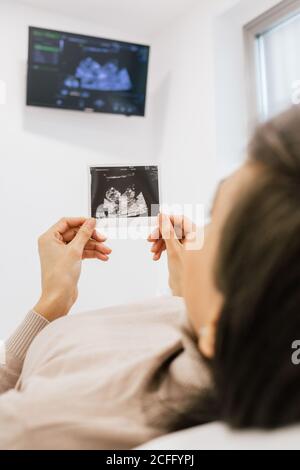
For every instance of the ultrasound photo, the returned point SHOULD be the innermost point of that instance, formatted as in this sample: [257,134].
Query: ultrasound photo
[124,192]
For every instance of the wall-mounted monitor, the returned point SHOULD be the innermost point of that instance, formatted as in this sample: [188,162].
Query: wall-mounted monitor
[85,73]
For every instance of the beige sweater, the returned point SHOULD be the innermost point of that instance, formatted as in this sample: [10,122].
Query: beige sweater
[100,380]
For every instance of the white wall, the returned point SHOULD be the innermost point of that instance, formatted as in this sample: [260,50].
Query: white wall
[43,174]
[233,127]
[185,62]
[202,59]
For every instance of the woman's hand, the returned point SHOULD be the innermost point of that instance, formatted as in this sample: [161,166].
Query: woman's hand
[62,249]
[173,234]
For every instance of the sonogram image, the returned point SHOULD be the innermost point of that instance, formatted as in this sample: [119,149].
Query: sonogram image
[131,191]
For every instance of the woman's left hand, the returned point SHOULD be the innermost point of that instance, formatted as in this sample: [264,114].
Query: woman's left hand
[62,249]
[172,235]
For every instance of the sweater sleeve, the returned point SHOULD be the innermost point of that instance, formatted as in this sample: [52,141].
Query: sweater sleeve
[14,350]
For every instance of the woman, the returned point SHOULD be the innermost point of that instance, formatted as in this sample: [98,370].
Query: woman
[116,378]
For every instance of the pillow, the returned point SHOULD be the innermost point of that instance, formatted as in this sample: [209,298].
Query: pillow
[219,436]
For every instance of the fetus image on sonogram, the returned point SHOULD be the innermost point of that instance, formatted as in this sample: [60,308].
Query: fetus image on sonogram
[127,204]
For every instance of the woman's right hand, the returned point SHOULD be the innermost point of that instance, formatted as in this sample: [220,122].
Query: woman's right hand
[62,249]
[172,234]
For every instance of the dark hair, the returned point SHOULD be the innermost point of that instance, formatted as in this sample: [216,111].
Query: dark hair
[258,273]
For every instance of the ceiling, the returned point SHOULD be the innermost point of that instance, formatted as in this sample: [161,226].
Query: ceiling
[144,17]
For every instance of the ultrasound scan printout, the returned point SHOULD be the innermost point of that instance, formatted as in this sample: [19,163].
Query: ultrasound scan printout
[124,191]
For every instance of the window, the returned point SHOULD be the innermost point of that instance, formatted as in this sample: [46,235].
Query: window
[273,43]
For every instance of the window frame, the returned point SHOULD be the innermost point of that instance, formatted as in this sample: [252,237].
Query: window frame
[257,27]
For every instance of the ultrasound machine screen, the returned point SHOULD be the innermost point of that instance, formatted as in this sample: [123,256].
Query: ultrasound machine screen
[71,71]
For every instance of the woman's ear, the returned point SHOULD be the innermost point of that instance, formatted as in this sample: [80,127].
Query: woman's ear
[206,342]
[207,334]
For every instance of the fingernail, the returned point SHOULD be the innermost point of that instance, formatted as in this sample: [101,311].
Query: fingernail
[90,223]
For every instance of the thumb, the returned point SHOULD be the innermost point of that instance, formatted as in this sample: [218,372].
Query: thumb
[168,231]
[84,234]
